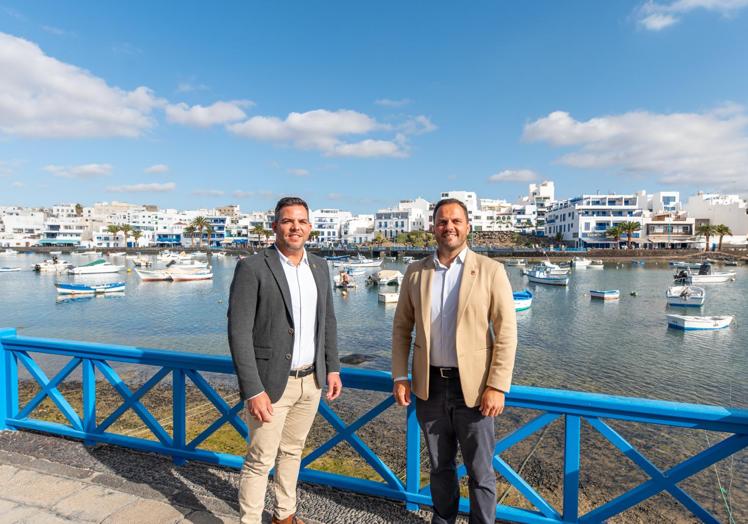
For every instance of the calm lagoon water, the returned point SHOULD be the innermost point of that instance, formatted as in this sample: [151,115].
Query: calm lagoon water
[566,340]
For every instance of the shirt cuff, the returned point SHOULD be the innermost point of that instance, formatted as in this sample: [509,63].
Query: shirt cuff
[333,372]
[257,395]
[396,379]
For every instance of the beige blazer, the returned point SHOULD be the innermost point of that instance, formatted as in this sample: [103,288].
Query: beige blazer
[486,327]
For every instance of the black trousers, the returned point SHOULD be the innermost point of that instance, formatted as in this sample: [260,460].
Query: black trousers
[446,422]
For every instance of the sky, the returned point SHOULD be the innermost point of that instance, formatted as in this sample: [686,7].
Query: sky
[356,105]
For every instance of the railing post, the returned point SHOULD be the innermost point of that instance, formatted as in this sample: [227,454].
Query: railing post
[8,381]
[412,454]
[179,414]
[571,468]
[89,399]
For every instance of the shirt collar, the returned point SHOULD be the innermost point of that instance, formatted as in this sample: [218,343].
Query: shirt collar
[460,259]
[285,260]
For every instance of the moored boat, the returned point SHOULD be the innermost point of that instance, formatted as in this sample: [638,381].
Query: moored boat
[596,264]
[388,297]
[153,276]
[387,277]
[605,294]
[205,274]
[515,262]
[522,300]
[542,277]
[89,289]
[692,322]
[704,276]
[9,269]
[96,267]
[580,262]
[53,265]
[685,296]
[359,261]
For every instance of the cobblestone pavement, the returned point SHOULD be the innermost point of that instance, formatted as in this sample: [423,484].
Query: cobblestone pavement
[45,479]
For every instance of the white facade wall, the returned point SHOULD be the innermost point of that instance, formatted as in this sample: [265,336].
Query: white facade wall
[328,222]
[358,229]
[730,210]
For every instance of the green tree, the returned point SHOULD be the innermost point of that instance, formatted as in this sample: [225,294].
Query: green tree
[209,233]
[628,229]
[267,233]
[113,229]
[127,230]
[258,230]
[379,238]
[200,223]
[314,236]
[78,210]
[615,233]
[706,231]
[190,232]
[721,231]
[136,234]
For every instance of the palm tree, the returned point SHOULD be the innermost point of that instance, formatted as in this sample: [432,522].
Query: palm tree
[113,229]
[190,231]
[127,230]
[78,210]
[266,233]
[721,230]
[628,229]
[200,223]
[258,230]
[314,236]
[136,234]
[209,233]
[706,231]
[615,233]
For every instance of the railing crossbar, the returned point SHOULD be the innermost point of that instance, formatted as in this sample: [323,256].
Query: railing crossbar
[516,480]
[49,388]
[228,414]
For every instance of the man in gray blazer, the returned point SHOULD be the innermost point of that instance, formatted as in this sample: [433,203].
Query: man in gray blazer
[283,340]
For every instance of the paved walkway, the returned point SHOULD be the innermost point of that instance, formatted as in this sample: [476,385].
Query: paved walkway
[46,479]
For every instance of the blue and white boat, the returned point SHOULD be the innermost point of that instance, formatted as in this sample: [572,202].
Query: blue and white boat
[89,289]
[543,277]
[522,300]
[605,294]
[692,323]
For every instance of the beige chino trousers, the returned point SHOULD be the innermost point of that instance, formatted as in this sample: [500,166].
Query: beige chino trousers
[279,442]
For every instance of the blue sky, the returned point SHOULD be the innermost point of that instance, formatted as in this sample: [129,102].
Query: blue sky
[356,105]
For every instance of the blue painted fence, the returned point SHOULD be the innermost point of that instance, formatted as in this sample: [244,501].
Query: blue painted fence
[572,407]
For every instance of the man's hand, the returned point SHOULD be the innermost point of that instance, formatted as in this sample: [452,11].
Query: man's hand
[401,392]
[492,402]
[334,386]
[260,407]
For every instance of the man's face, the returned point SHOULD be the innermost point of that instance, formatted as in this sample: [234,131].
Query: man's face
[292,228]
[451,227]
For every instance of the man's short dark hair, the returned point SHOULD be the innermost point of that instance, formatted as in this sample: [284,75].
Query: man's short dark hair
[445,201]
[287,202]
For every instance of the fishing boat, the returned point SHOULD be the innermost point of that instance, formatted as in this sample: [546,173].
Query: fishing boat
[605,294]
[580,262]
[153,276]
[166,256]
[55,253]
[407,259]
[142,261]
[205,274]
[117,254]
[596,264]
[9,269]
[387,277]
[359,261]
[685,296]
[515,262]
[522,300]
[95,267]
[353,271]
[89,289]
[388,297]
[53,265]
[704,276]
[731,262]
[692,322]
[186,264]
[543,277]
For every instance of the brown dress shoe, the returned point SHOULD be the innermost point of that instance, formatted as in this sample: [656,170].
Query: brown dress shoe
[293,519]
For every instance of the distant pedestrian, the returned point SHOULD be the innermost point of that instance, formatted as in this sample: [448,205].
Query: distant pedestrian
[283,339]
[462,308]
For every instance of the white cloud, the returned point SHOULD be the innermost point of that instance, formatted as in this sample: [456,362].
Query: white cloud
[190,87]
[157,168]
[208,192]
[206,116]
[143,188]
[334,196]
[514,175]
[250,194]
[657,15]
[299,172]
[43,97]
[388,102]
[707,149]
[80,171]
[325,130]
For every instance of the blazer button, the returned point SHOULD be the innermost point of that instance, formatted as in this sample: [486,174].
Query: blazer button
[290,331]
[288,356]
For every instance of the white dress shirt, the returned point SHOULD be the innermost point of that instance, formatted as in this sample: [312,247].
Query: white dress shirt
[304,307]
[445,294]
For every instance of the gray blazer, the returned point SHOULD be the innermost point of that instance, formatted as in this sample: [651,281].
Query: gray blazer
[261,330]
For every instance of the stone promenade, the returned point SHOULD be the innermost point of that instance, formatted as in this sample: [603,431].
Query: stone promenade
[46,479]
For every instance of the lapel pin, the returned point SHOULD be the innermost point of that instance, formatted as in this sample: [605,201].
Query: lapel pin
[473,272]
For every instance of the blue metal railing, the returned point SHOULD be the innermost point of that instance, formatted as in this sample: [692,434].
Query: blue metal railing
[570,406]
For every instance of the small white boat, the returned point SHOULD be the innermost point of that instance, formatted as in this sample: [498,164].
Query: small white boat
[218,254]
[542,277]
[9,252]
[515,262]
[704,276]
[407,259]
[96,267]
[679,264]
[165,256]
[685,296]
[596,264]
[9,269]
[688,322]
[388,297]
[205,274]
[522,300]
[390,259]
[55,253]
[153,276]
[142,261]
[353,271]
[547,267]
[89,289]
[359,261]
[605,294]
[117,254]
[89,253]
[580,262]
[53,265]
[387,277]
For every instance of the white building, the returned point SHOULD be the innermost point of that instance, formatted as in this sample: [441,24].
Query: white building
[667,230]
[358,229]
[20,227]
[328,222]
[584,220]
[730,210]
[531,210]
[410,215]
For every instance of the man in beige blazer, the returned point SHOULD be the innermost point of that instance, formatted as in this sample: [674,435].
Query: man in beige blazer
[462,308]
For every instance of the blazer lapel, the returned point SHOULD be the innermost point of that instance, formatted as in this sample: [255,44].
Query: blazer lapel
[427,276]
[469,273]
[274,263]
[319,280]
